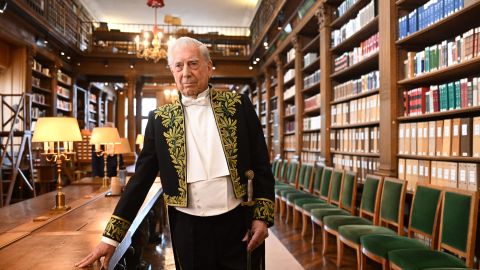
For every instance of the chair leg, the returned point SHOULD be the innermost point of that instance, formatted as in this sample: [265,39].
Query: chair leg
[296,217]
[305,219]
[314,233]
[282,209]
[363,261]
[289,213]
[324,241]
[276,204]
[339,252]
[359,257]
[385,265]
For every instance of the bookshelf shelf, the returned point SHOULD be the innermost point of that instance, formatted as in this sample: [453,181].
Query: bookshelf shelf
[273,85]
[313,45]
[311,130]
[63,110]
[64,84]
[289,117]
[312,67]
[63,96]
[311,151]
[458,22]
[41,74]
[334,2]
[314,88]
[466,68]
[368,30]
[289,133]
[40,104]
[353,97]
[289,64]
[289,150]
[410,4]
[365,124]
[358,154]
[362,67]
[41,89]
[288,83]
[441,158]
[290,99]
[349,14]
[312,111]
[465,112]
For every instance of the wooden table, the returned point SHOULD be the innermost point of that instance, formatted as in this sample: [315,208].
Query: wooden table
[60,242]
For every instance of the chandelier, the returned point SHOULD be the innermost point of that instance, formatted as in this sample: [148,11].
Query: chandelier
[151,47]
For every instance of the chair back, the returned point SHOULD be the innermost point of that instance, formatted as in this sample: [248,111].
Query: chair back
[458,224]
[336,186]
[349,192]
[275,166]
[306,179]
[325,184]
[292,172]
[370,200]
[317,178]
[392,203]
[283,168]
[425,212]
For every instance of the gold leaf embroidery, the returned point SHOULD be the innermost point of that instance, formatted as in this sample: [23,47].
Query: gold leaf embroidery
[264,210]
[116,228]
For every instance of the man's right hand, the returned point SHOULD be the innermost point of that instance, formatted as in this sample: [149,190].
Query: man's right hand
[101,250]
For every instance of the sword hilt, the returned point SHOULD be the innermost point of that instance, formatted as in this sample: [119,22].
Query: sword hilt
[249,174]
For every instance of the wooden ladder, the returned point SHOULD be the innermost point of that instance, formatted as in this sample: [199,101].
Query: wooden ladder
[16,144]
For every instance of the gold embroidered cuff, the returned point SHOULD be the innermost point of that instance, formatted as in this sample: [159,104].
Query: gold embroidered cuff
[264,210]
[116,228]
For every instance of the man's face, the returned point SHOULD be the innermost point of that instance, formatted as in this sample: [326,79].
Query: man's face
[190,69]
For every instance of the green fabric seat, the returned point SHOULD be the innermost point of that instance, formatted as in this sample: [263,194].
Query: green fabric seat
[278,190]
[354,232]
[291,197]
[318,214]
[380,245]
[299,203]
[334,222]
[308,207]
[418,259]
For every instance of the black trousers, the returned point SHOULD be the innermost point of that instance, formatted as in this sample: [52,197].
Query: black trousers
[211,243]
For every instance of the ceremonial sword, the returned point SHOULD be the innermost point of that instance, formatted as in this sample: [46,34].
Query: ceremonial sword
[249,213]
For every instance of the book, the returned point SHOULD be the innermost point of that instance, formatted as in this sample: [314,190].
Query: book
[466,137]
[439,139]
[462,176]
[473,173]
[433,173]
[447,137]
[413,138]
[431,138]
[455,137]
[407,139]
[476,137]
[401,169]
[401,138]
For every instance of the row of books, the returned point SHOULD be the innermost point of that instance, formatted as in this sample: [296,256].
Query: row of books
[311,123]
[309,157]
[309,58]
[290,109]
[263,120]
[289,142]
[364,16]
[311,79]
[428,14]
[367,82]
[39,98]
[289,126]
[273,103]
[290,92]
[361,165]
[64,78]
[447,53]
[448,174]
[458,137]
[92,108]
[38,67]
[312,102]
[459,94]
[289,75]
[92,97]
[343,7]
[64,105]
[37,112]
[366,49]
[62,91]
[36,81]
[290,55]
[356,140]
[273,80]
[356,111]
[311,141]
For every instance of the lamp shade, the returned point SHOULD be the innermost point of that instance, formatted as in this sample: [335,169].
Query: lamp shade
[56,129]
[105,135]
[123,147]
[139,139]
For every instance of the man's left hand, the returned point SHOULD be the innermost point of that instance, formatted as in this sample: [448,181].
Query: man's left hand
[259,234]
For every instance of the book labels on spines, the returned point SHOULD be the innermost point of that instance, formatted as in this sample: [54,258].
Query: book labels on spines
[476,137]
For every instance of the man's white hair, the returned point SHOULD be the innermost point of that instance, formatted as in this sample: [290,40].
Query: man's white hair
[186,41]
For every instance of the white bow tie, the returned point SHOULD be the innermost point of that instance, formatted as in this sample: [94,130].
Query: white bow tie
[200,101]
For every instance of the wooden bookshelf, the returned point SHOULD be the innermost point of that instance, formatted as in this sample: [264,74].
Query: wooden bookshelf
[365,32]
[41,86]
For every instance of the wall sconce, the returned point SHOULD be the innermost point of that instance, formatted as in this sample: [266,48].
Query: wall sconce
[57,135]
[106,138]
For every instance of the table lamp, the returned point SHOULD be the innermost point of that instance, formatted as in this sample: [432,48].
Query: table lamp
[122,148]
[104,139]
[139,141]
[57,135]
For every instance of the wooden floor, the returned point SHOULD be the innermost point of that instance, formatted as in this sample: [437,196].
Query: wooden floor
[309,255]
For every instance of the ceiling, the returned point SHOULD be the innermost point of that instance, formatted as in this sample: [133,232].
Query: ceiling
[191,12]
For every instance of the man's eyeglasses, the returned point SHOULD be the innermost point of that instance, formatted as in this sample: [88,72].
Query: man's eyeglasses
[193,64]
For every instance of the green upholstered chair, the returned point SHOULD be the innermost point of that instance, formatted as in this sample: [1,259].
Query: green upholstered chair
[321,190]
[368,212]
[458,227]
[275,167]
[344,205]
[391,214]
[281,182]
[291,180]
[302,191]
[423,221]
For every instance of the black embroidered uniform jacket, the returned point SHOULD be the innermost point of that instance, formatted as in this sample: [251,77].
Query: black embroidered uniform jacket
[164,152]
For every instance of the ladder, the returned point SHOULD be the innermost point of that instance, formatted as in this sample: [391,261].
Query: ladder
[16,145]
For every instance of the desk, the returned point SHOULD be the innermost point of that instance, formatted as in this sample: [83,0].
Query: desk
[63,241]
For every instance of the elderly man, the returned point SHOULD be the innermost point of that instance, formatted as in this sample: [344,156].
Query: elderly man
[204,146]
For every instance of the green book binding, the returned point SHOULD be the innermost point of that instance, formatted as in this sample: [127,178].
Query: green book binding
[458,102]
[443,97]
[427,59]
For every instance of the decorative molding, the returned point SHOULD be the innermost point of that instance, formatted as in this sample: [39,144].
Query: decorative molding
[295,42]
[278,61]
[320,14]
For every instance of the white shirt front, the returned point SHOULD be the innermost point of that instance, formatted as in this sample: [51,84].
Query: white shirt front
[210,190]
